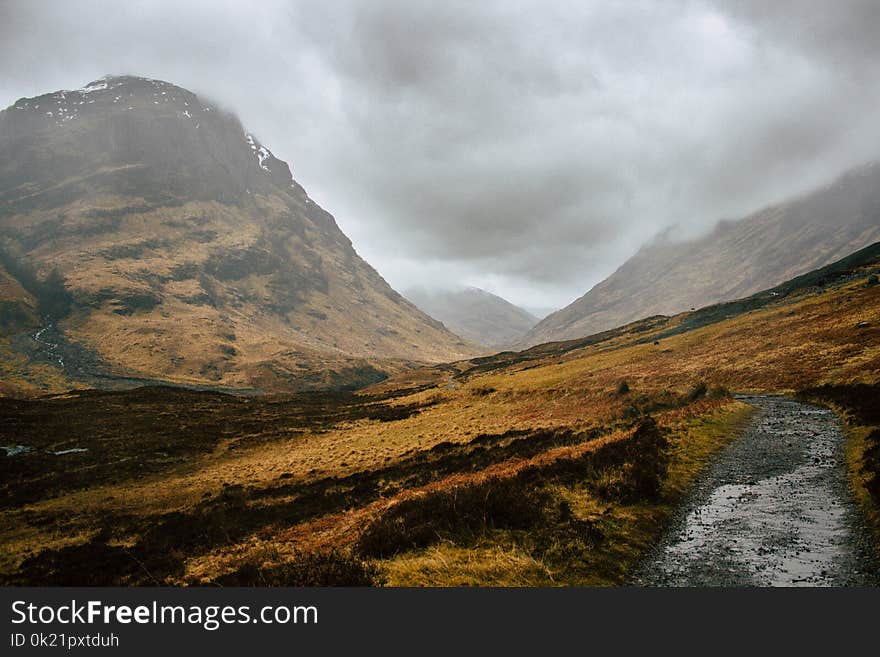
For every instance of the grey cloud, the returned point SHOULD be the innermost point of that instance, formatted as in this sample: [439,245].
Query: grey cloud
[839,34]
[527,147]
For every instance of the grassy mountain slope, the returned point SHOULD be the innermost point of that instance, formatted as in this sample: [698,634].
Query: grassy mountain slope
[738,258]
[167,243]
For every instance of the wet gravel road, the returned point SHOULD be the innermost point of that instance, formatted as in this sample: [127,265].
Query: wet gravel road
[773,510]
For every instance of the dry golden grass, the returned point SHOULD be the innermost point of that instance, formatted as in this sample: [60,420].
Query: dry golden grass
[507,558]
[856,445]
[800,342]
[22,377]
[491,564]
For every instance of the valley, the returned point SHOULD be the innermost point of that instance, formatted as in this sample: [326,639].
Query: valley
[563,464]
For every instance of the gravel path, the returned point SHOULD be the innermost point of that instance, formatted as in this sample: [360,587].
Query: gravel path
[773,510]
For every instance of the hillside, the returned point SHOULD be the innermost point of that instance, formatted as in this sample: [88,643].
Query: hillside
[474,314]
[531,468]
[160,240]
[736,259]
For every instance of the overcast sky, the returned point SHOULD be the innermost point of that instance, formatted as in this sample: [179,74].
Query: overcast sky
[526,148]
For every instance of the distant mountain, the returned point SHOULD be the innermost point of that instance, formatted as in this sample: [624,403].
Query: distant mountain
[540,311]
[153,237]
[736,259]
[475,315]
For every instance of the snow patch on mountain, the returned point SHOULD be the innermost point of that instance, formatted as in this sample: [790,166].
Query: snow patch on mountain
[260,151]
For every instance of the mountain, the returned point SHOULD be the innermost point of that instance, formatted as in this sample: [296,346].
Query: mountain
[475,314]
[148,235]
[736,259]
